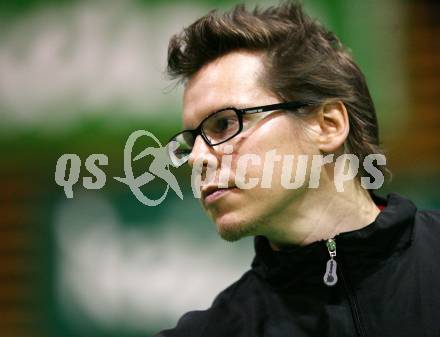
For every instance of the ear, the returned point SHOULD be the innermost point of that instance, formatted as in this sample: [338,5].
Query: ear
[332,126]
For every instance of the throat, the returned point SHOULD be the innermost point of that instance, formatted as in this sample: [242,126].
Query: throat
[323,222]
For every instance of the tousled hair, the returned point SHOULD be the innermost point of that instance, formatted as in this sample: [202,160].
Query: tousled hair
[303,61]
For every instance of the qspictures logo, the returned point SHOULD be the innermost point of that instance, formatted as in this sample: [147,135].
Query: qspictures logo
[214,171]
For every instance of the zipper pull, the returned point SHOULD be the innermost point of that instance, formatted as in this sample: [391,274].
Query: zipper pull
[330,277]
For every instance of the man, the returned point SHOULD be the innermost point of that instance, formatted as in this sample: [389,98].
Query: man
[329,261]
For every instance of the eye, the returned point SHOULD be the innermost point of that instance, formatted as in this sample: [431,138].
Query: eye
[221,124]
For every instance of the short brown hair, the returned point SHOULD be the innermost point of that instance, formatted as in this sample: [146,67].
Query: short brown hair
[303,61]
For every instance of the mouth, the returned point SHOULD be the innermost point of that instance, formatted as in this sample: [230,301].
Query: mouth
[211,194]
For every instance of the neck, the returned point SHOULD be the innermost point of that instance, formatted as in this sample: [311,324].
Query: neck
[322,214]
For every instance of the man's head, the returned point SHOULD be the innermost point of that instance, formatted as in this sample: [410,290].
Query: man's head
[244,59]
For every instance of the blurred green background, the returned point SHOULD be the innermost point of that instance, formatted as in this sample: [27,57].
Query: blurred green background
[81,76]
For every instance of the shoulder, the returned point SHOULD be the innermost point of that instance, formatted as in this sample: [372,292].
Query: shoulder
[426,237]
[427,225]
[429,217]
[225,308]
[423,222]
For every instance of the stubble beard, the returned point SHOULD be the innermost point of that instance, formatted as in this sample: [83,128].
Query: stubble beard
[232,232]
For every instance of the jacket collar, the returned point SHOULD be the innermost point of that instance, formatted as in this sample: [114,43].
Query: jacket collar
[390,232]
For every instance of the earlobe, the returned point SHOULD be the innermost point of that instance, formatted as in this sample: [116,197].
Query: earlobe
[333,125]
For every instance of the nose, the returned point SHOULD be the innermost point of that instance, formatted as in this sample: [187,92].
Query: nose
[200,151]
[203,156]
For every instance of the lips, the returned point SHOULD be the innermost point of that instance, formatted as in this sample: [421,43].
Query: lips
[212,193]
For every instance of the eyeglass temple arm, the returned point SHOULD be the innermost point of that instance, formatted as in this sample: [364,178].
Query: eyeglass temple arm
[277,106]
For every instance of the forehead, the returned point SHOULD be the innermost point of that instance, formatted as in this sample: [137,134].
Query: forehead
[231,80]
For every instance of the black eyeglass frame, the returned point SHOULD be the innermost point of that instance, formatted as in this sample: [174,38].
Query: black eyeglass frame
[292,105]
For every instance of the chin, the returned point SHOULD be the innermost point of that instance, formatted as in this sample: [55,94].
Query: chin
[232,229]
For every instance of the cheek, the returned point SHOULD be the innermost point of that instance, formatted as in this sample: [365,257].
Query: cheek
[286,138]
[284,134]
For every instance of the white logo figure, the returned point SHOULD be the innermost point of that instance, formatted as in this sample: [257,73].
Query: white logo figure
[159,167]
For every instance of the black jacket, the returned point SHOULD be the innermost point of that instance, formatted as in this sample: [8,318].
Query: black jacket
[388,285]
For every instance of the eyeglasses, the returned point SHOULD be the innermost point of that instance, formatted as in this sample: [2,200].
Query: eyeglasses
[219,127]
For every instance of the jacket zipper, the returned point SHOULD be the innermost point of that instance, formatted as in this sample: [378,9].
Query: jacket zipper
[330,276]
[330,279]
